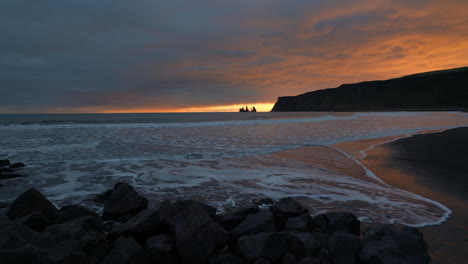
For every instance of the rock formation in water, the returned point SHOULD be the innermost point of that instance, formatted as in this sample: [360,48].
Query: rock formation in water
[10,171]
[246,109]
[438,90]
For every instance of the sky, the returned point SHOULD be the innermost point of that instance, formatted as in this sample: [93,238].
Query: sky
[187,56]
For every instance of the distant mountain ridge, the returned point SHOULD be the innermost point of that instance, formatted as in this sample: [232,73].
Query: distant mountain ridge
[428,91]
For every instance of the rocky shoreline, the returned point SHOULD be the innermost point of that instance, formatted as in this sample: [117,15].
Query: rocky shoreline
[187,231]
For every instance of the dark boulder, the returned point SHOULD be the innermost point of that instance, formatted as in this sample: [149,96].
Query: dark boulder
[4,163]
[310,261]
[124,200]
[333,222]
[102,198]
[21,244]
[286,208]
[35,220]
[289,258]
[183,204]
[17,165]
[271,246]
[252,247]
[299,223]
[262,200]
[282,243]
[262,261]
[262,221]
[149,222]
[344,248]
[235,216]
[161,249]
[83,236]
[30,201]
[73,211]
[225,258]
[388,244]
[57,244]
[310,244]
[197,235]
[125,251]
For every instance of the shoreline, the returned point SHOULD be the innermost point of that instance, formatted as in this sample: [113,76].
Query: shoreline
[414,164]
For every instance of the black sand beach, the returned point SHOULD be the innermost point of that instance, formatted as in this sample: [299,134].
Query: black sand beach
[435,166]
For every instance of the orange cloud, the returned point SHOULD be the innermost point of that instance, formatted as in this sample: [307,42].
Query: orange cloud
[207,56]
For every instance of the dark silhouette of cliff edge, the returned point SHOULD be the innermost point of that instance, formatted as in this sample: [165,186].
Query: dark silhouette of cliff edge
[431,91]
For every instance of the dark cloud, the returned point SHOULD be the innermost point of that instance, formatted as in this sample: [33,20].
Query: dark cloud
[117,54]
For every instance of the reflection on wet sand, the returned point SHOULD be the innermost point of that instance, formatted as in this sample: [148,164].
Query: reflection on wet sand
[447,241]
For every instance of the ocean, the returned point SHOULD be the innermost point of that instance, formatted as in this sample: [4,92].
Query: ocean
[225,159]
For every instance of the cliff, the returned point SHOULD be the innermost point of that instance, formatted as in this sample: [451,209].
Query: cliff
[438,90]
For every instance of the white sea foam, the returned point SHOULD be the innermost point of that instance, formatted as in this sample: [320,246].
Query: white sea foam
[224,163]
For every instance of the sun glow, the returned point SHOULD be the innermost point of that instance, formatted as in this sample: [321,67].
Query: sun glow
[261,107]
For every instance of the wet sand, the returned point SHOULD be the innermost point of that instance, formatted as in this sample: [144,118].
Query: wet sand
[433,165]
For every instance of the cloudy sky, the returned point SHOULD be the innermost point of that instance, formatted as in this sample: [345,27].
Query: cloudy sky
[158,55]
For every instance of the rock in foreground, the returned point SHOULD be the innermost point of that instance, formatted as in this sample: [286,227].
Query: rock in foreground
[189,232]
[124,200]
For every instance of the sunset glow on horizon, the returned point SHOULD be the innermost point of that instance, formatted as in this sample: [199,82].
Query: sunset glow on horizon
[260,107]
[207,56]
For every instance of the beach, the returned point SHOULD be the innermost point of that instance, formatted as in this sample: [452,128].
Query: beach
[433,165]
[379,166]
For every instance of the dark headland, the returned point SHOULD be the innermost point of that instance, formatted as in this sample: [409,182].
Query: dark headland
[445,90]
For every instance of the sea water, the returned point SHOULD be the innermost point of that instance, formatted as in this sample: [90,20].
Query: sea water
[225,159]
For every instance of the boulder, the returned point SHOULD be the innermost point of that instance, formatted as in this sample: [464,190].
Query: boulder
[20,244]
[333,222]
[183,204]
[310,244]
[102,198]
[149,222]
[286,208]
[124,200]
[279,244]
[197,235]
[225,258]
[73,211]
[272,246]
[310,261]
[35,220]
[262,221]
[83,236]
[288,258]
[4,163]
[301,223]
[30,201]
[252,247]
[125,251]
[344,247]
[389,244]
[262,201]
[235,216]
[262,261]
[161,249]
[17,165]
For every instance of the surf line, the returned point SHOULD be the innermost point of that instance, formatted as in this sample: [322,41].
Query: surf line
[369,173]
[364,151]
